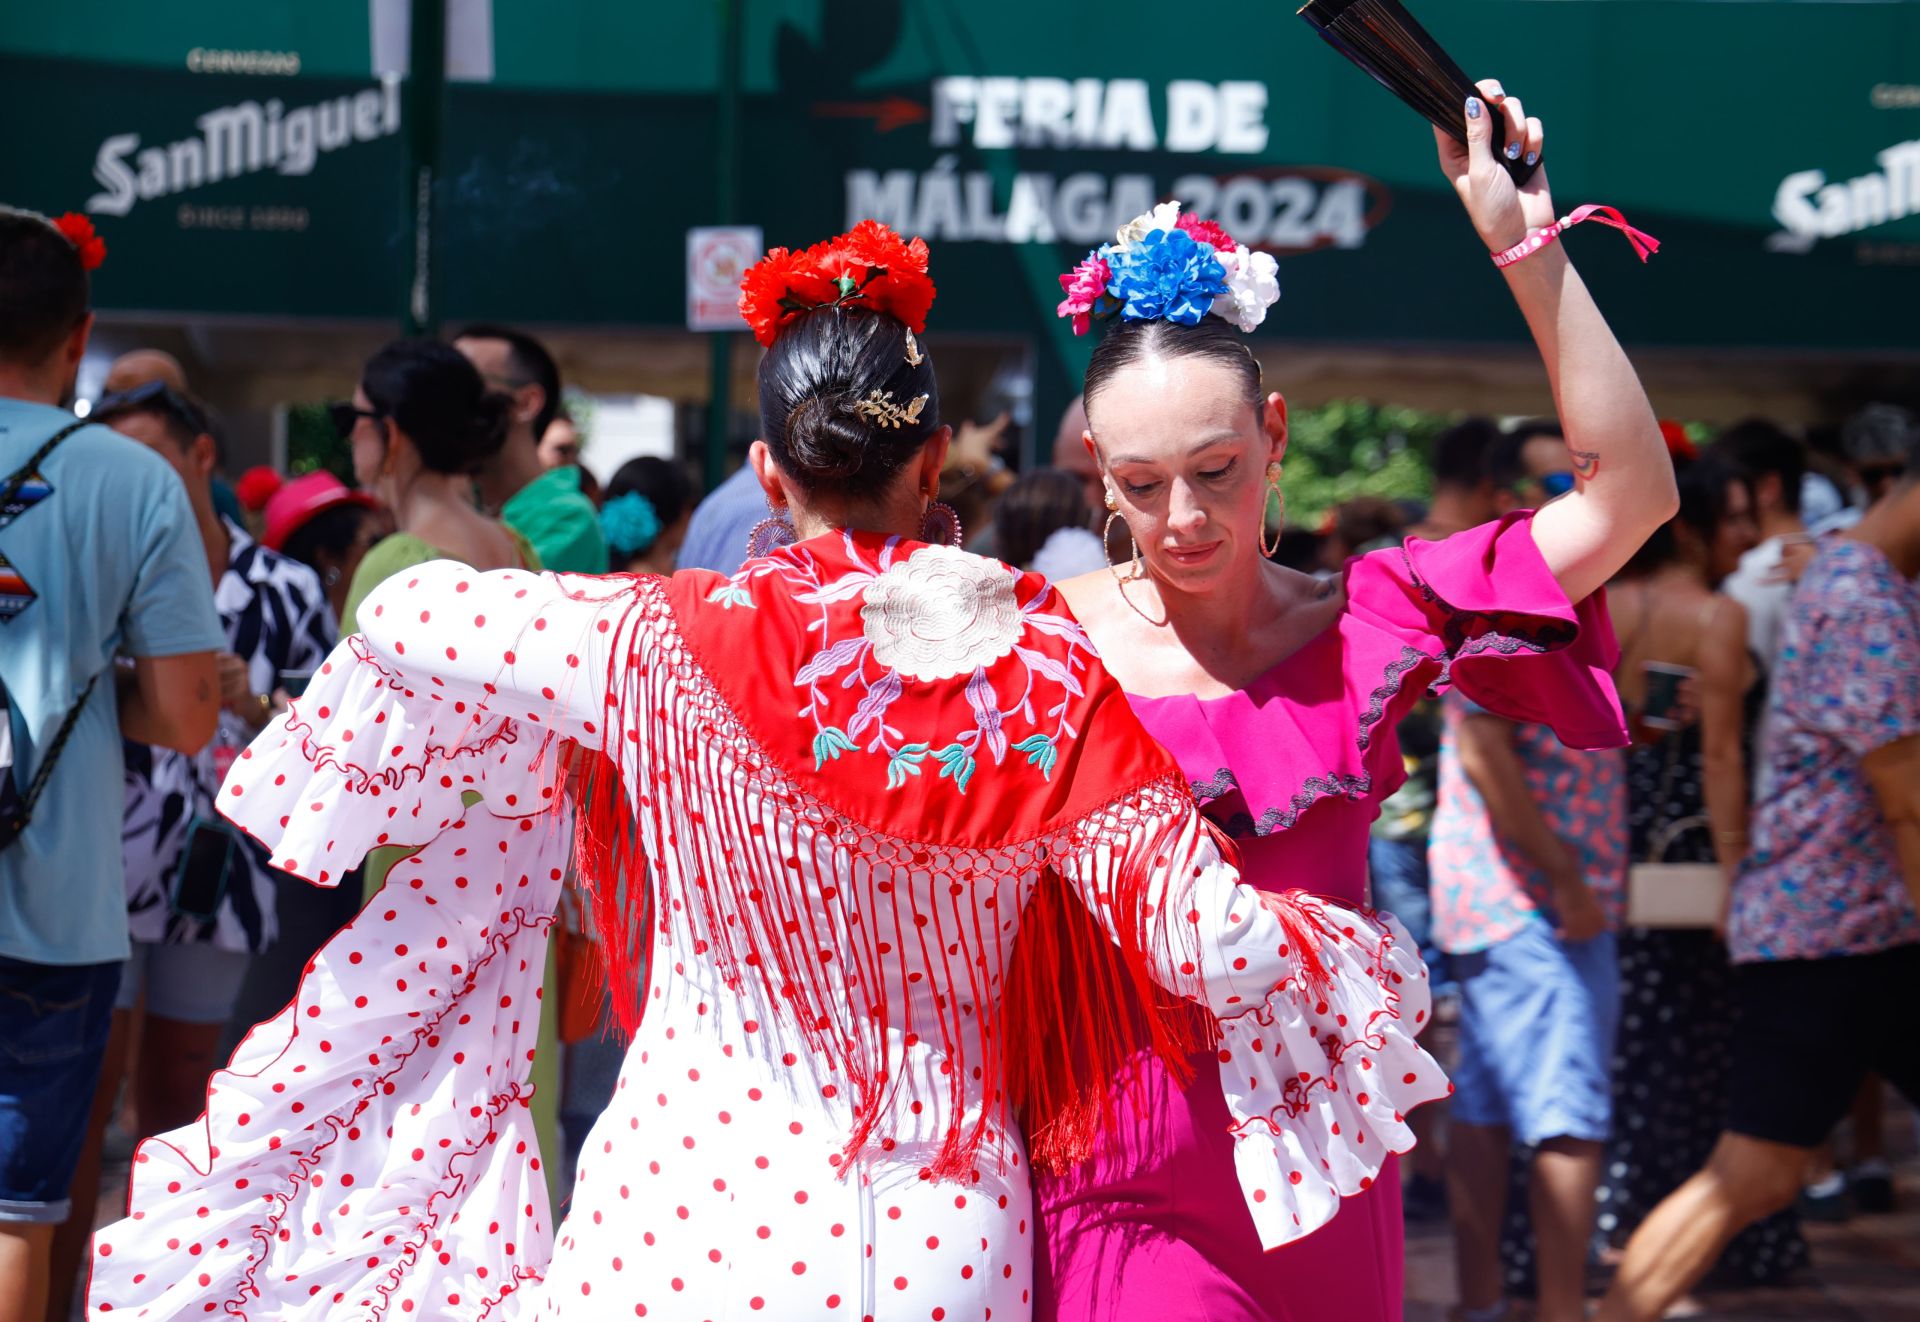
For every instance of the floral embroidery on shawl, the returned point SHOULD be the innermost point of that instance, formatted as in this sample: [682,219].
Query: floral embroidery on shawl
[933,614]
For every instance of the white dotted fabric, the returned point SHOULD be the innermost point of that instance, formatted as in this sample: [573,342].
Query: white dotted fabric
[368,1153]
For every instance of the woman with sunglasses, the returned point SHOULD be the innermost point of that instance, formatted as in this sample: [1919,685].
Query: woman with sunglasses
[1280,694]
[421,423]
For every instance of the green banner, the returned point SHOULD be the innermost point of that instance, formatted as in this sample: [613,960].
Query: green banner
[217,193]
[1774,148]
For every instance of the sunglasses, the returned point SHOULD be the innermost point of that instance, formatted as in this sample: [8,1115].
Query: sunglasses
[154,396]
[1554,484]
[347,416]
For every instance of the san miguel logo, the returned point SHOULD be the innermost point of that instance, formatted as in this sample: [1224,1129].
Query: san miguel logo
[1810,208]
[1278,208]
[240,140]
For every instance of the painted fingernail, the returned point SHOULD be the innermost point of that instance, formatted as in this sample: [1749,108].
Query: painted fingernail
[1533,158]
[1513,151]
[1473,107]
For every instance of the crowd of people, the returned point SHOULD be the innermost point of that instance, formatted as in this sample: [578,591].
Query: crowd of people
[1658,846]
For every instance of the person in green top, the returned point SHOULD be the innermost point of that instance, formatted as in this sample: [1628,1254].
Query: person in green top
[421,424]
[544,503]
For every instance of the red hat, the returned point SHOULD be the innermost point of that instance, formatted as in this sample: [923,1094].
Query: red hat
[304,497]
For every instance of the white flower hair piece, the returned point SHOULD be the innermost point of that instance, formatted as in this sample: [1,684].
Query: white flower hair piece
[1253,286]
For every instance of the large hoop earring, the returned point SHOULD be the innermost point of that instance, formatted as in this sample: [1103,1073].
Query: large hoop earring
[772,534]
[1138,570]
[1279,497]
[942,524]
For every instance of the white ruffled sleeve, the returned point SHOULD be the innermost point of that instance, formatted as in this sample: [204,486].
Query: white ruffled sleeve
[370,1150]
[1318,1007]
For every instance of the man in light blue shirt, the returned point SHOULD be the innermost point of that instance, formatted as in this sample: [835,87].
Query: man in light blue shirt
[717,536]
[99,556]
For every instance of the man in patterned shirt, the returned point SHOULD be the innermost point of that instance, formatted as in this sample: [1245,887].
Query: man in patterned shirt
[1824,931]
[1528,862]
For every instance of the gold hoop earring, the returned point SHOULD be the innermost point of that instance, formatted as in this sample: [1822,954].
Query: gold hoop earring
[1138,570]
[1279,497]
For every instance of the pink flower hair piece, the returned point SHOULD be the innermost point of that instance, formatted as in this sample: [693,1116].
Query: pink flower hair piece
[1085,285]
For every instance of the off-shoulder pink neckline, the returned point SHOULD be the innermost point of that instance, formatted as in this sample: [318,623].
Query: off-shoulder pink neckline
[1332,629]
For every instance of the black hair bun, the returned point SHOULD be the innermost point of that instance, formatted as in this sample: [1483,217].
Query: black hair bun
[828,439]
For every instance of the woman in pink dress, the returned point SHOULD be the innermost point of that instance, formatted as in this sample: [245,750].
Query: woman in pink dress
[1279,695]
[848,816]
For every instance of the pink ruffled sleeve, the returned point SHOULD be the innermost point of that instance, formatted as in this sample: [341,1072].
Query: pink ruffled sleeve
[1485,604]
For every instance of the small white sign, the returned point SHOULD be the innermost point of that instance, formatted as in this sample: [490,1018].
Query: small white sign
[717,257]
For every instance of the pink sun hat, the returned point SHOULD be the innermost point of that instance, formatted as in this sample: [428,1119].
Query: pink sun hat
[303,497]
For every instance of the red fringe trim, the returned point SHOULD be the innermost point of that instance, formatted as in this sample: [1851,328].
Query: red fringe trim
[760,879]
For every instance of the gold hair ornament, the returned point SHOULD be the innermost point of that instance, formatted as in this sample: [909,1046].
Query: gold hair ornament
[914,356]
[879,406]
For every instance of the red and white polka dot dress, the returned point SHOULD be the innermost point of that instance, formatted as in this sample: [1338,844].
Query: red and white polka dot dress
[812,1121]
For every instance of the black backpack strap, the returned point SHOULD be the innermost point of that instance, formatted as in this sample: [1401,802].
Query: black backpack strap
[26,470]
[52,755]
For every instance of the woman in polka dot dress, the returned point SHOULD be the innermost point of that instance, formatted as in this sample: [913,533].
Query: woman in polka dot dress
[856,772]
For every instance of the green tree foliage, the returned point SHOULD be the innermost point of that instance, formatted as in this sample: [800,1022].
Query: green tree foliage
[312,443]
[1349,448]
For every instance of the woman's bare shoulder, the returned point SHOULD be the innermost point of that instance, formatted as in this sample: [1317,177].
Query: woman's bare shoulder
[1089,594]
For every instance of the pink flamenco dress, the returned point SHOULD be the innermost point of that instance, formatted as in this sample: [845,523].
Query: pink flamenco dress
[1293,768]
[853,818]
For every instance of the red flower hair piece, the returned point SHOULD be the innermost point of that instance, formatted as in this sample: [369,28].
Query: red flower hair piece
[1205,231]
[78,231]
[870,265]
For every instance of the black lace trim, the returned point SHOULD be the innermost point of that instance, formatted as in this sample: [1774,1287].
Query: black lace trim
[1316,788]
[1410,658]
[1465,633]
[1222,781]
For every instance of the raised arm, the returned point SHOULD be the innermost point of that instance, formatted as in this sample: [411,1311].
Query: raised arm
[530,647]
[1624,486]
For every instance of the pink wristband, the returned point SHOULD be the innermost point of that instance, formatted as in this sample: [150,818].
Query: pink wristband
[1643,243]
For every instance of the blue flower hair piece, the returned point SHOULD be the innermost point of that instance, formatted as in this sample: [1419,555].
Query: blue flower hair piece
[1166,276]
[630,523]
[1163,266]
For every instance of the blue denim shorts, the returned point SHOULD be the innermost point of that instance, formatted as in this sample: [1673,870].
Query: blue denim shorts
[1537,1023]
[1402,887]
[54,1020]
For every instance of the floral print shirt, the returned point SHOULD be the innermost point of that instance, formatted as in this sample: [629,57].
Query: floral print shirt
[1484,889]
[1822,877]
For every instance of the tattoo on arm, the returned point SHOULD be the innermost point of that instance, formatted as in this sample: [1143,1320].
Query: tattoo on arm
[1585,463]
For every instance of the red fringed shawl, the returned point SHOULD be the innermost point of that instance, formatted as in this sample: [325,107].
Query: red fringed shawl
[857,720]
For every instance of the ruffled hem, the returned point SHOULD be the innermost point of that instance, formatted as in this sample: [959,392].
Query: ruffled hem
[1319,1079]
[1479,611]
[369,1148]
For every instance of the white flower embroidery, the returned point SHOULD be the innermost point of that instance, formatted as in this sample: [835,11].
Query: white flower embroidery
[941,613]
